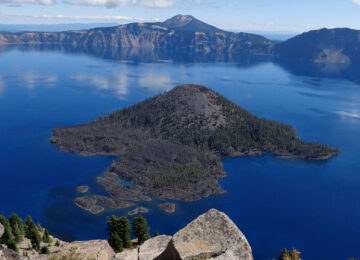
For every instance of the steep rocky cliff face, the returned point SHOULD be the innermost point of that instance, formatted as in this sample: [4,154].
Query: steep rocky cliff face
[1,230]
[211,236]
[181,33]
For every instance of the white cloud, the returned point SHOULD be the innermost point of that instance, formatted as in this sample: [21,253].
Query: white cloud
[357,2]
[31,80]
[119,84]
[113,3]
[352,114]
[139,3]
[61,18]
[154,81]
[107,18]
[116,84]
[41,2]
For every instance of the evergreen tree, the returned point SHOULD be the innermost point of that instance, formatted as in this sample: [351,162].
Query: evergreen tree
[120,226]
[35,238]
[140,229]
[46,237]
[12,245]
[44,250]
[16,233]
[116,242]
[289,255]
[7,237]
[29,227]
[15,220]
[4,221]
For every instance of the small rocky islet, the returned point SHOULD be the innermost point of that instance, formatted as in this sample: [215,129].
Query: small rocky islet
[170,145]
[139,210]
[167,207]
[82,189]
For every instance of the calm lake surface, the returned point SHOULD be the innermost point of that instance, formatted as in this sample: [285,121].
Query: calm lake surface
[277,203]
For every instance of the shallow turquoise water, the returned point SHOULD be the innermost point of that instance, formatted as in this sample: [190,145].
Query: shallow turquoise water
[313,206]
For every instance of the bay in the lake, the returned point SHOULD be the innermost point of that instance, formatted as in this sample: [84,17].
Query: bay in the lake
[310,205]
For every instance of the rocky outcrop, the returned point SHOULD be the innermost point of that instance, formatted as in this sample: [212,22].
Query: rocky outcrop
[1,229]
[211,235]
[88,204]
[94,249]
[7,254]
[82,189]
[139,210]
[113,203]
[167,207]
[152,248]
[128,254]
[91,204]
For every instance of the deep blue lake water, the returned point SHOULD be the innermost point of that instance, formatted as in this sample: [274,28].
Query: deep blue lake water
[277,203]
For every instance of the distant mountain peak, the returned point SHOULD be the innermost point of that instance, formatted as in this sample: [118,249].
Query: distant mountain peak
[189,23]
[179,20]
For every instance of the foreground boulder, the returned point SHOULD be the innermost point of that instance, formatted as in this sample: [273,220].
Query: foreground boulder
[211,235]
[93,249]
[152,248]
[128,254]
[7,254]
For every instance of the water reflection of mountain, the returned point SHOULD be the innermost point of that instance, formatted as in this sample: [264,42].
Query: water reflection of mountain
[143,55]
[321,70]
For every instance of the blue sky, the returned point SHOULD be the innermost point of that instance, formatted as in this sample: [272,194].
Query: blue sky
[247,15]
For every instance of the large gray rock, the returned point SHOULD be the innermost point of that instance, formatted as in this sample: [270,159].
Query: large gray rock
[7,254]
[212,235]
[128,254]
[228,255]
[153,247]
[1,229]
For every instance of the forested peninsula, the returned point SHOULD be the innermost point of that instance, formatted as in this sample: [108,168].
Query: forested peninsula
[170,144]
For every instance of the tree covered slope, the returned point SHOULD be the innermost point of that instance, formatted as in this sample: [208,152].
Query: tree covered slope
[168,143]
